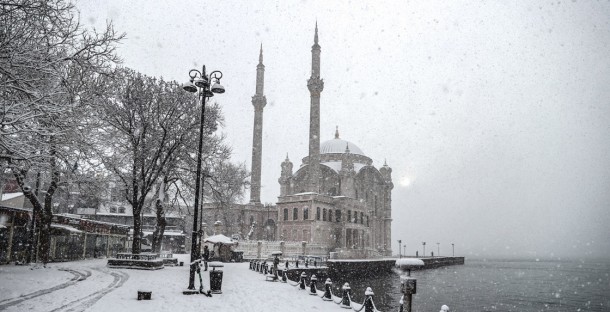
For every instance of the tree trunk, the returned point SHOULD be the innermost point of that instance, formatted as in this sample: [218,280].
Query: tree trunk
[137,228]
[37,206]
[160,228]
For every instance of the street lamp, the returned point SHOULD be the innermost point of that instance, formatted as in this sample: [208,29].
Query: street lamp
[438,250]
[452,250]
[199,83]
[399,254]
[404,248]
[424,243]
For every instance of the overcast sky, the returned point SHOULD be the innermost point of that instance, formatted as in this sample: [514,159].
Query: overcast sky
[494,116]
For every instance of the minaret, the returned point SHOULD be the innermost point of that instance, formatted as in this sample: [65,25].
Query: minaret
[258,101]
[315,86]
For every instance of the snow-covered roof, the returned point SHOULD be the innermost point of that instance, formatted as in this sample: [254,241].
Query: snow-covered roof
[337,146]
[336,166]
[166,233]
[219,239]
[307,193]
[66,227]
[7,196]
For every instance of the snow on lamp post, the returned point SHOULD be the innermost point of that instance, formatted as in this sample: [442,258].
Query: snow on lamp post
[200,83]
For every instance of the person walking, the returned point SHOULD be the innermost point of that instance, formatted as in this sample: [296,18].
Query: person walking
[206,257]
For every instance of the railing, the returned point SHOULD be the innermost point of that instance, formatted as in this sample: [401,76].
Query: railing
[263,249]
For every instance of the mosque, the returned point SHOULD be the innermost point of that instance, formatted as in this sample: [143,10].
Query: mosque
[336,198]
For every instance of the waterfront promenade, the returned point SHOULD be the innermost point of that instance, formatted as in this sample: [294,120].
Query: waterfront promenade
[89,285]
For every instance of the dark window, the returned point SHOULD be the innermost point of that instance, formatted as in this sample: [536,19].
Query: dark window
[349,216]
[121,209]
[285,214]
[318,213]
[324,214]
[367,220]
[306,214]
[251,220]
[112,209]
[338,215]
[295,214]
[361,217]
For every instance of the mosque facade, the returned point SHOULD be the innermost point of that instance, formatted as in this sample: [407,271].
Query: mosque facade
[336,198]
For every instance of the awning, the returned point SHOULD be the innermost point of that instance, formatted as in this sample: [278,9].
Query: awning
[66,227]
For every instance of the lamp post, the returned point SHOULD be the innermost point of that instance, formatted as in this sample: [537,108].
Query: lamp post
[424,244]
[452,250]
[404,248]
[438,250]
[399,253]
[200,83]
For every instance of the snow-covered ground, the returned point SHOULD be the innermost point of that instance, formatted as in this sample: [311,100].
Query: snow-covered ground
[90,286]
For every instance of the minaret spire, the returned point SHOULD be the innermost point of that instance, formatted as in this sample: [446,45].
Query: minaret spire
[337,132]
[315,86]
[258,101]
[260,56]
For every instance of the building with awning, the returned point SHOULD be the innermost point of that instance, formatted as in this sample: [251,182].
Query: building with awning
[72,237]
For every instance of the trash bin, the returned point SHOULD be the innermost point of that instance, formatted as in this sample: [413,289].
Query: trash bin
[216,277]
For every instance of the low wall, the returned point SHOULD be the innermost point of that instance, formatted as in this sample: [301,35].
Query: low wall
[263,249]
[435,262]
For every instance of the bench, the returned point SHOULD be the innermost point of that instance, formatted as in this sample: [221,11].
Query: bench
[143,261]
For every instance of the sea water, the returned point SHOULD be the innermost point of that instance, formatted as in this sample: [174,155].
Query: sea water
[496,285]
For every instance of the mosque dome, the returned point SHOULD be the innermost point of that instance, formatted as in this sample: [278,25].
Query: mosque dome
[337,146]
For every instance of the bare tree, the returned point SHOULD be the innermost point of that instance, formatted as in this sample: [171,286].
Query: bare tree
[44,56]
[144,128]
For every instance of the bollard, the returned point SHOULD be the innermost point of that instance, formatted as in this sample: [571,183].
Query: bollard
[251,262]
[345,302]
[369,306]
[287,264]
[312,285]
[302,281]
[327,295]
[297,264]
[284,278]
[258,265]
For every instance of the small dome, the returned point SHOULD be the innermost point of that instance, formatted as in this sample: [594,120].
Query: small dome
[337,146]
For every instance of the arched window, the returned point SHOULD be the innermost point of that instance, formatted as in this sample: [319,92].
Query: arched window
[349,216]
[367,220]
[295,213]
[338,215]
[285,214]
[305,213]
[324,214]
[318,213]
[361,217]
[375,204]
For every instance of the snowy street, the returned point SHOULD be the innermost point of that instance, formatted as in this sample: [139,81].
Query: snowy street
[90,286]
